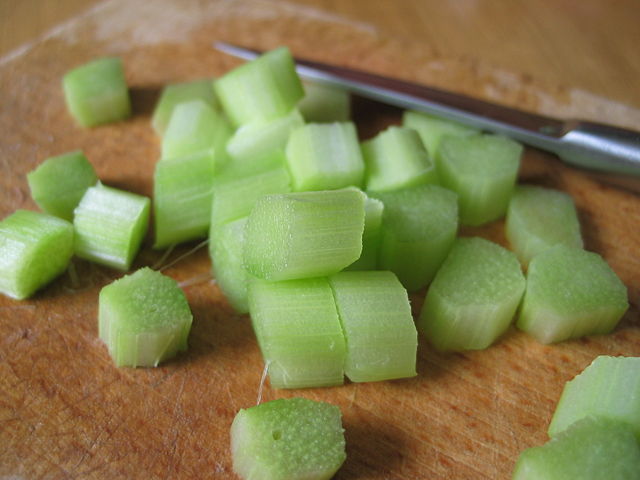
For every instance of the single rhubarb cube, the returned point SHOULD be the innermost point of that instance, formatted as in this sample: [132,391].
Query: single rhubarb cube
[143,318]
[571,293]
[288,439]
[34,249]
[473,297]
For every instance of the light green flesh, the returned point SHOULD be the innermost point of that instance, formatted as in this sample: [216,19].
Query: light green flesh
[609,387]
[288,439]
[325,104]
[539,218]
[373,210]
[571,293]
[298,330]
[195,128]
[58,184]
[97,92]
[182,196]
[376,319]
[226,244]
[419,226]
[235,191]
[143,318]
[432,129]
[473,297]
[325,157]
[592,449]
[110,225]
[175,94]
[482,170]
[254,142]
[263,89]
[396,159]
[303,235]
[34,249]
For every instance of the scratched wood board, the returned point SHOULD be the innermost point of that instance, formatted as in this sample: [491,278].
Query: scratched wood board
[67,412]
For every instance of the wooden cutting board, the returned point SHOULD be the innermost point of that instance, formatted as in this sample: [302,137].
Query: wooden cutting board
[67,412]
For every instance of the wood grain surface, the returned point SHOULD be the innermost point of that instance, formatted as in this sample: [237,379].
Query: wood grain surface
[67,412]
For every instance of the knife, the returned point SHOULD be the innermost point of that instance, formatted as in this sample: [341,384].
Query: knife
[589,145]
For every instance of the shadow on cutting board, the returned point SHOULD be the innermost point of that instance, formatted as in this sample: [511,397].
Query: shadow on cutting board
[371,449]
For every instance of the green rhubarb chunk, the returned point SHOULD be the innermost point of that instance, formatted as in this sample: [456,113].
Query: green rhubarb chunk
[236,190]
[299,332]
[539,218]
[591,449]
[303,235]
[325,156]
[571,293]
[324,103]
[182,196]
[143,318]
[34,249]
[59,183]
[288,439]
[433,129]
[373,210]
[263,89]
[482,170]
[609,387]
[473,297]
[196,128]
[177,93]
[97,92]
[110,225]
[419,226]
[376,319]
[226,244]
[396,159]
[257,142]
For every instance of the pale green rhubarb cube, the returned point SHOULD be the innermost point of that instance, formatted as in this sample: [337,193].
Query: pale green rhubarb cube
[325,103]
[571,293]
[143,318]
[299,333]
[592,449]
[226,245]
[380,335]
[258,142]
[59,183]
[433,129]
[473,297]
[288,439]
[97,92]
[539,218]
[303,235]
[396,159]
[482,170]
[110,225]
[609,387]
[34,249]
[177,93]
[371,236]
[325,156]
[419,226]
[263,89]
[237,188]
[196,128]
[182,197]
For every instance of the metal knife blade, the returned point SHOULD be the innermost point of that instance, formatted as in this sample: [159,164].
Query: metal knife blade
[584,144]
